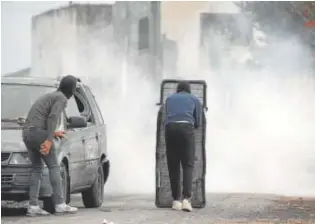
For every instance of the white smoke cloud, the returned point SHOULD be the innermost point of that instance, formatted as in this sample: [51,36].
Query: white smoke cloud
[261,123]
[128,107]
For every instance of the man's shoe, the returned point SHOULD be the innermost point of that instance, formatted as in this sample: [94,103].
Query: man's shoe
[187,205]
[177,205]
[64,209]
[36,211]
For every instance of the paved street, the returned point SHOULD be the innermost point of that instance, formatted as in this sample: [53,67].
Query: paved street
[221,208]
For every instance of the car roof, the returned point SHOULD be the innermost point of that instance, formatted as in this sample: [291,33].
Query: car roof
[34,81]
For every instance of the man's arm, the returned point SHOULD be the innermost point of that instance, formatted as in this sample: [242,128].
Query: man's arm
[59,105]
[197,112]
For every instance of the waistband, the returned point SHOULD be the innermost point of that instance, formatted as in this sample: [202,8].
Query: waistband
[33,128]
[184,123]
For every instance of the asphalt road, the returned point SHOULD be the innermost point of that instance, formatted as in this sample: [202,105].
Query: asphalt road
[221,208]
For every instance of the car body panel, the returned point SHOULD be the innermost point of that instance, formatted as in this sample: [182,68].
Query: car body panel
[91,155]
[95,143]
[71,148]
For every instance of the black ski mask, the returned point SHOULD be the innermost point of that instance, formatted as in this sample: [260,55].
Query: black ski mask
[68,85]
[183,86]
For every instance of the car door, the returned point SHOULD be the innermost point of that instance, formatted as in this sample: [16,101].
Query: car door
[101,127]
[74,147]
[89,134]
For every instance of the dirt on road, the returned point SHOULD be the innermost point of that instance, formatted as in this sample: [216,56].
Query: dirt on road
[221,208]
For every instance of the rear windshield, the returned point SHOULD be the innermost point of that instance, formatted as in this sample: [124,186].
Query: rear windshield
[16,100]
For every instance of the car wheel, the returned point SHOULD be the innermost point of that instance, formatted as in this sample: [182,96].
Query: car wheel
[106,169]
[48,202]
[93,197]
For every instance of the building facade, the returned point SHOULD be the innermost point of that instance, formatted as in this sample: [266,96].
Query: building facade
[187,24]
[93,40]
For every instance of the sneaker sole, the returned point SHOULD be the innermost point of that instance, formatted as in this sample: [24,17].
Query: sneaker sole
[187,210]
[37,215]
[176,209]
[64,213]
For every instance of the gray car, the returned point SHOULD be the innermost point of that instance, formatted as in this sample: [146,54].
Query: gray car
[82,154]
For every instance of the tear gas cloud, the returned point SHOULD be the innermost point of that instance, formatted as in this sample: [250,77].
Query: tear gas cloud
[260,135]
[127,100]
[261,132]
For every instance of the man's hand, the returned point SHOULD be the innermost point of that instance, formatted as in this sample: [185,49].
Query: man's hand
[45,147]
[59,134]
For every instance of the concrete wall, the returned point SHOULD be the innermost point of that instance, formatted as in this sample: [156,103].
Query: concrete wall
[170,57]
[90,40]
[61,38]
[180,22]
[127,17]
[54,43]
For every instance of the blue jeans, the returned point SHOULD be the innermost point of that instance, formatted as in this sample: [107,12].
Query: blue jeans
[33,138]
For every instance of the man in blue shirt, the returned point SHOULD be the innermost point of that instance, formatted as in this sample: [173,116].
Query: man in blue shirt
[182,116]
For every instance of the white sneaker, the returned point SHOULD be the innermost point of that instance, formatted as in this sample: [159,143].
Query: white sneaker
[177,205]
[36,211]
[64,208]
[187,206]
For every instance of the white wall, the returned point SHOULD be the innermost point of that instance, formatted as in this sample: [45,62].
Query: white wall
[54,43]
[180,21]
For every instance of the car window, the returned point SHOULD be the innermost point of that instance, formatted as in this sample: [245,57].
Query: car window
[84,107]
[19,98]
[91,98]
[72,108]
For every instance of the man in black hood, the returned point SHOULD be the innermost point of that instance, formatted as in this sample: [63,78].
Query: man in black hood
[68,85]
[38,133]
[182,115]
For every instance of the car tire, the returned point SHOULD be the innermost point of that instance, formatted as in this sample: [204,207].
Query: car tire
[106,170]
[48,203]
[93,197]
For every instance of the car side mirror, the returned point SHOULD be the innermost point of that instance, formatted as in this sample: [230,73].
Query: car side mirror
[158,104]
[77,122]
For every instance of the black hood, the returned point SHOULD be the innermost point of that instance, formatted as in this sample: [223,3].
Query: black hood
[68,85]
[183,86]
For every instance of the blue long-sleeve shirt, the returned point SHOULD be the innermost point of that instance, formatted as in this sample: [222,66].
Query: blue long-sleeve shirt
[183,106]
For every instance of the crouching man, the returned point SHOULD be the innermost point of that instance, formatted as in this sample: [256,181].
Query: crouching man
[38,134]
[183,111]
